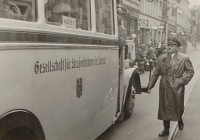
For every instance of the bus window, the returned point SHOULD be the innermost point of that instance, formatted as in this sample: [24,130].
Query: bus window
[104,16]
[18,9]
[68,13]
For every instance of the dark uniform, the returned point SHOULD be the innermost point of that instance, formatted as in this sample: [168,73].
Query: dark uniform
[151,54]
[140,54]
[121,10]
[175,74]
[121,36]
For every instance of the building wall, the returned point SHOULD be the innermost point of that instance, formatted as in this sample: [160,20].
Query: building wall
[183,26]
[184,17]
[195,24]
[131,25]
[198,23]
[178,18]
[150,22]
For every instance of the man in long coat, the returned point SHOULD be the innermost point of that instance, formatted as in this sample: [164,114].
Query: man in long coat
[176,71]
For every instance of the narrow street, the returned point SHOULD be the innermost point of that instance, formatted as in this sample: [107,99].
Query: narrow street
[143,124]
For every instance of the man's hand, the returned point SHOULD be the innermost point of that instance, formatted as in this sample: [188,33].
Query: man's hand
[149,86]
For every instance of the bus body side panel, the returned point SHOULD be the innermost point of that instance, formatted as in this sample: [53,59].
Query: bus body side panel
[73,92]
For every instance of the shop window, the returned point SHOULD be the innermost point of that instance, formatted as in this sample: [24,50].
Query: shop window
[104,16]
[68,13]
[18,9]
[130,25]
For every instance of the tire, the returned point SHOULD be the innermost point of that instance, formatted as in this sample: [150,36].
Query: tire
[20,133]
[130,101]
[20,125]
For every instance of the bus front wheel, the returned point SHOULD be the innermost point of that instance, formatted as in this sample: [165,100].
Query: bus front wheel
[20,133]
[130,101]
[20,125]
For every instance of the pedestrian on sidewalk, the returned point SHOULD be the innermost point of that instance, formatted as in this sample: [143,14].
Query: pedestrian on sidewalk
[140,54]
[151,53]
[176,71]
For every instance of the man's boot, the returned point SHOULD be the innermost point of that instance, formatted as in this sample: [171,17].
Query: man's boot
[180,124]
[165,132]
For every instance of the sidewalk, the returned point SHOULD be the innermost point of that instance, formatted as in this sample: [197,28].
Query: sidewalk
[191,118]
[189,46]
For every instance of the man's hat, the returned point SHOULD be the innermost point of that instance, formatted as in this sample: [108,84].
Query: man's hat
[61,8]
[172,40]
[121,8]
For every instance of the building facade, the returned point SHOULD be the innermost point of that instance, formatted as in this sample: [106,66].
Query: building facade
[131,25]
[195,23]
[183,29]
[160,19]
[151,24]
[153,21]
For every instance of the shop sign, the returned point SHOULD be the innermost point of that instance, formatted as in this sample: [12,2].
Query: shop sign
[133,13]
[154,27]
[143,22]
[158,27]
[134,1]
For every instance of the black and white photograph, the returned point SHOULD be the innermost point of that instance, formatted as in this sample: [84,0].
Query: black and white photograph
[99,69]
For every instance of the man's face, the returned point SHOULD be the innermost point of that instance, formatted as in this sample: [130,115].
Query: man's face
[120,16]
[172,48]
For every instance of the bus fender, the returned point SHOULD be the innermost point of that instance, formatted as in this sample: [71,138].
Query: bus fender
[129,75]
[20,121]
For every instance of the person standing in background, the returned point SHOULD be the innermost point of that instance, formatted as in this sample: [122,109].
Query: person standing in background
[140,54]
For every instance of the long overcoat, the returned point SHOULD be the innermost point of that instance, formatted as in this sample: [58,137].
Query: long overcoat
[175,74]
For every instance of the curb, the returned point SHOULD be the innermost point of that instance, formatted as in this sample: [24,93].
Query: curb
[174,130]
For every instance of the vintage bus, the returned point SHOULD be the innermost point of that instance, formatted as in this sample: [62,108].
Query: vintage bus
[61,75]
